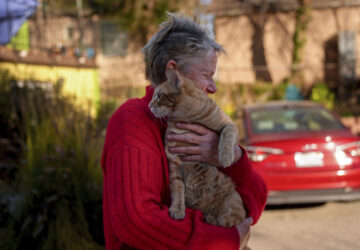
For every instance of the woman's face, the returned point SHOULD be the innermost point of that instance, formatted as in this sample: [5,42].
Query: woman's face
[202,72]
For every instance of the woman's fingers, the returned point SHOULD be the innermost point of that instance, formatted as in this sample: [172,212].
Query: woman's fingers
[199,129]
[202,144]
[244,232]
[187,150]
[244,227]
[193,158]
[186,137]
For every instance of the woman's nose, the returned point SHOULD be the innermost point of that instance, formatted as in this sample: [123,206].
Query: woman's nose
[211,89]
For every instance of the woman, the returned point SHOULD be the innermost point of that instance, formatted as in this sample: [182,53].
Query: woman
[136,188]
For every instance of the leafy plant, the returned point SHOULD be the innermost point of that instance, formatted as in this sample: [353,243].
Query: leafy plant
[321,93]
[54,201]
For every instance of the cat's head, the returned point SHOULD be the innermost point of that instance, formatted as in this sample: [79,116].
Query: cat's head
[167,95]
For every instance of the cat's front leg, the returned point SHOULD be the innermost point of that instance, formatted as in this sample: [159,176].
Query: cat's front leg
[231,211]
[177,189]
[228,138]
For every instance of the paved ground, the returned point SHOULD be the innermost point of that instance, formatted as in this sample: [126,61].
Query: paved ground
[329,226]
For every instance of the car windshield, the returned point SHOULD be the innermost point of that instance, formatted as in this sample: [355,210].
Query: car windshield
[292,119]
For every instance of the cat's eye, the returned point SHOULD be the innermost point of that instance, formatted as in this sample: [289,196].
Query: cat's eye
[208,77]
[158,96]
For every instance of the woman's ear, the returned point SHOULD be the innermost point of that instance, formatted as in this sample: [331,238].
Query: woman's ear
[172,73]
[172,77]
[171,64]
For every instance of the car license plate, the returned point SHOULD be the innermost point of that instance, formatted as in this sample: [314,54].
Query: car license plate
[309,159]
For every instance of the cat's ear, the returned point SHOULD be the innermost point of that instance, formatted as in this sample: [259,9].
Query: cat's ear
[173,77]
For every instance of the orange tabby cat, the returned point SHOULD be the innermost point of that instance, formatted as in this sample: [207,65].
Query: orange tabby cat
[198,185]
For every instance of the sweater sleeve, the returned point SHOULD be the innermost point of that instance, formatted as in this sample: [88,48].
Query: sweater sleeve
[136,195]
[250,186]
[138,216]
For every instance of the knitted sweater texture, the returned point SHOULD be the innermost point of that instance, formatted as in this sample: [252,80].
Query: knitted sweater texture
[136,194]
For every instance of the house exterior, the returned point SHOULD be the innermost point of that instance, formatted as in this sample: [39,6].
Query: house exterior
[49,50]
[96,60]
[257,35]
[258,38]
[117,63]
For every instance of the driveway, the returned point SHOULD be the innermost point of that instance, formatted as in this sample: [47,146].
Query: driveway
[329,226]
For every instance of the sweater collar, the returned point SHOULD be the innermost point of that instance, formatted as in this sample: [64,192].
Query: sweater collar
[149,93]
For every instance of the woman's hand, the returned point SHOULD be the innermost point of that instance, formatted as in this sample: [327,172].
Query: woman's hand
[204,144]
[244,232]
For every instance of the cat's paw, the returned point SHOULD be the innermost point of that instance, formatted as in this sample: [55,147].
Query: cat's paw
[177,213]
[226,157]
[210,219]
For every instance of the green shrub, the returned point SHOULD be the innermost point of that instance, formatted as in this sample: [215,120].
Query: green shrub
[321,93]
[54,201]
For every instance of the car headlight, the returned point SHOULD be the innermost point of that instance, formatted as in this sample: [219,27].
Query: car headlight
[352,149]
[257,153]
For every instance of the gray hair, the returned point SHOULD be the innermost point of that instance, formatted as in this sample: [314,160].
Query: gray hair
[180,39]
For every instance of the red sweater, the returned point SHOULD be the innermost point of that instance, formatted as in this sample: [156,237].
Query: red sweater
[136,188]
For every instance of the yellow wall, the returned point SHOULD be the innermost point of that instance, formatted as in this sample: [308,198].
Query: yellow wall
[83,82]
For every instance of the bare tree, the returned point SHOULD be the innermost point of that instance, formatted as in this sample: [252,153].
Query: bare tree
[259,61]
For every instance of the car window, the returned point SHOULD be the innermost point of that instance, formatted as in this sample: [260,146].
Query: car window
[293,119]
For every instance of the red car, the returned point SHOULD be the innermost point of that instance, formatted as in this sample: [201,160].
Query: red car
[303,152]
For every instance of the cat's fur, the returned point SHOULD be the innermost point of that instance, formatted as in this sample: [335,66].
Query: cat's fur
[198,185]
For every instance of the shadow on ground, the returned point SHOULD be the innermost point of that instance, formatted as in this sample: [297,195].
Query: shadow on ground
[294,206]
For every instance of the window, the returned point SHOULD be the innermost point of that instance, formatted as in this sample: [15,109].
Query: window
[114,41]
[285,120]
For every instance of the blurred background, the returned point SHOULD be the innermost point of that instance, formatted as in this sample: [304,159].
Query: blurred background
[65,65]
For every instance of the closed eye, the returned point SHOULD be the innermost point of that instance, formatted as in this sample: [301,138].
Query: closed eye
[208,76]
[158,96]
